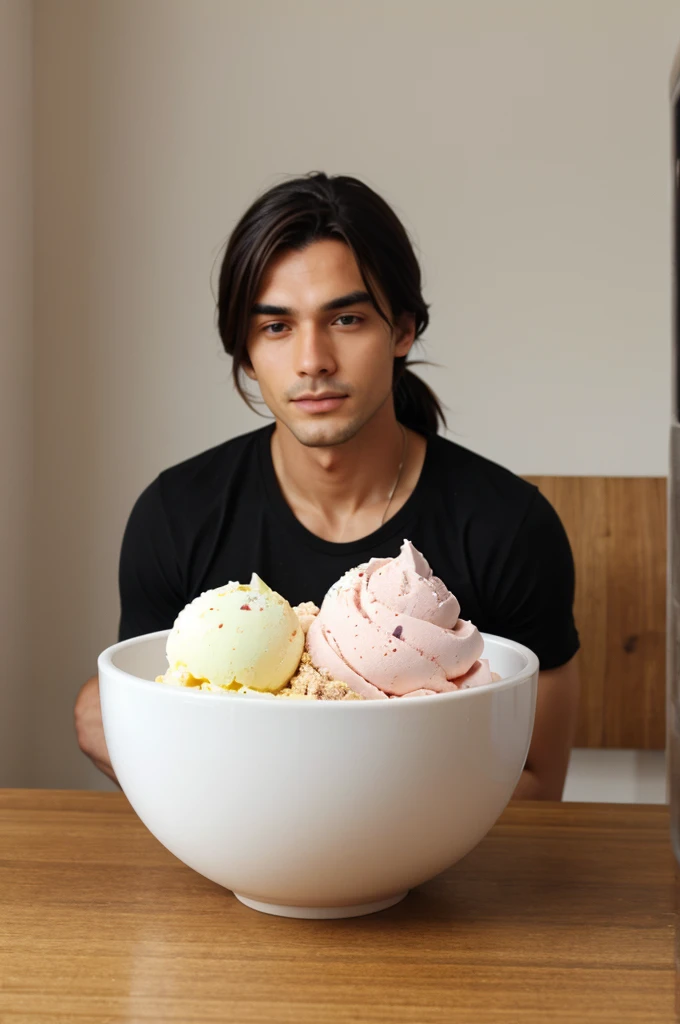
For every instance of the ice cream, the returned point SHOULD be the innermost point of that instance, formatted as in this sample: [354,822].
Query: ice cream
[239,635]
[390,628]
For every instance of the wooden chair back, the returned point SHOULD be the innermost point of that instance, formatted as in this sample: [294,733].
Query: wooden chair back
[617,529]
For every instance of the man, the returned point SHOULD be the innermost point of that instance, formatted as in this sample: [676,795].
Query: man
[320,303]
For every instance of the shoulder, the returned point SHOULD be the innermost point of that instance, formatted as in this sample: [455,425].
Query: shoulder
[214,466]
[500,516]
[481,490]
[190,490]
[194,488]
[517,551]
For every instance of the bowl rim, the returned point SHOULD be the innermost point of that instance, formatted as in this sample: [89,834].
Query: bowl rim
[105,662]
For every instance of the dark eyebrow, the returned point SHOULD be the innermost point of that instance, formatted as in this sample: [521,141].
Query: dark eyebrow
[352,299]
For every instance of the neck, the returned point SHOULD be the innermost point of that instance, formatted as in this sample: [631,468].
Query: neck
[330,488]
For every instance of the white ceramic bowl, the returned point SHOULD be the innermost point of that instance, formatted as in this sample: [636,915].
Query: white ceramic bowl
[316,808]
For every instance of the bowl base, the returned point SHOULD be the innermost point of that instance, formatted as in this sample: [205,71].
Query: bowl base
[321,913]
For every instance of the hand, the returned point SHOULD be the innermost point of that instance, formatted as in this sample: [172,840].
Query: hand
[554,728]
[89,727]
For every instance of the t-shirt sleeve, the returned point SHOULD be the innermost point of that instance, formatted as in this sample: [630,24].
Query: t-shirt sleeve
[149,580]
[533,596]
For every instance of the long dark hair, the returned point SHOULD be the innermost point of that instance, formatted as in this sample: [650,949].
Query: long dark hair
[291,216]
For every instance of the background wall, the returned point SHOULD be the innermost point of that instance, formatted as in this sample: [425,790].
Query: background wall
[526,147]
[16,413]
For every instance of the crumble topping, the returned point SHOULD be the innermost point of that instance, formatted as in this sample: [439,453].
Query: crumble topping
[316,683]
[306,613]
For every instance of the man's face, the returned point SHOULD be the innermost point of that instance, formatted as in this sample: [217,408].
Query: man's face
[324,370]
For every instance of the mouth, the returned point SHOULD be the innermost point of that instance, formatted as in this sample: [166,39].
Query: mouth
[323,402]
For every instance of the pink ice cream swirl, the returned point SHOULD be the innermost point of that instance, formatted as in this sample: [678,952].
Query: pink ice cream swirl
[390,628]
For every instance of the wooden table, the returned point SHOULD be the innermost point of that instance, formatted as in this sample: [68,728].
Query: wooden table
[563,913]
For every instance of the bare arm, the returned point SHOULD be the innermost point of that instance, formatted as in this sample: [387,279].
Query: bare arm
[89,727]
[554,729]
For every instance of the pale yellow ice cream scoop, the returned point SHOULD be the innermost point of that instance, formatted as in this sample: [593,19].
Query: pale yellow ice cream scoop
[242,634]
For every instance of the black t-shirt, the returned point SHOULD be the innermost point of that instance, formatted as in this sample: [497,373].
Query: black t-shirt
[493,539]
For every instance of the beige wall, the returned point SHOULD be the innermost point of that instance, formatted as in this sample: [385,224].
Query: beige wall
[16,391]
[526,146]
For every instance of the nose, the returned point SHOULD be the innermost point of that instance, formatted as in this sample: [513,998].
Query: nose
[314,354]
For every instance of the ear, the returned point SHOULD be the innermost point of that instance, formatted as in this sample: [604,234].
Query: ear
[404,334]
[247,366]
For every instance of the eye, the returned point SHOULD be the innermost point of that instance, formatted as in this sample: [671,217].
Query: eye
[349,316]
[269,328]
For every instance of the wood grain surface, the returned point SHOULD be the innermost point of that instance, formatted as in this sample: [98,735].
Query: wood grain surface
[564,913]
[617,529]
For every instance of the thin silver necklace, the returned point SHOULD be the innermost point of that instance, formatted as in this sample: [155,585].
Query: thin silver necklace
[396,482]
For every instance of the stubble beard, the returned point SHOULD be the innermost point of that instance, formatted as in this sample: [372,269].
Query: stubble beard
[329,435]
[326,435]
